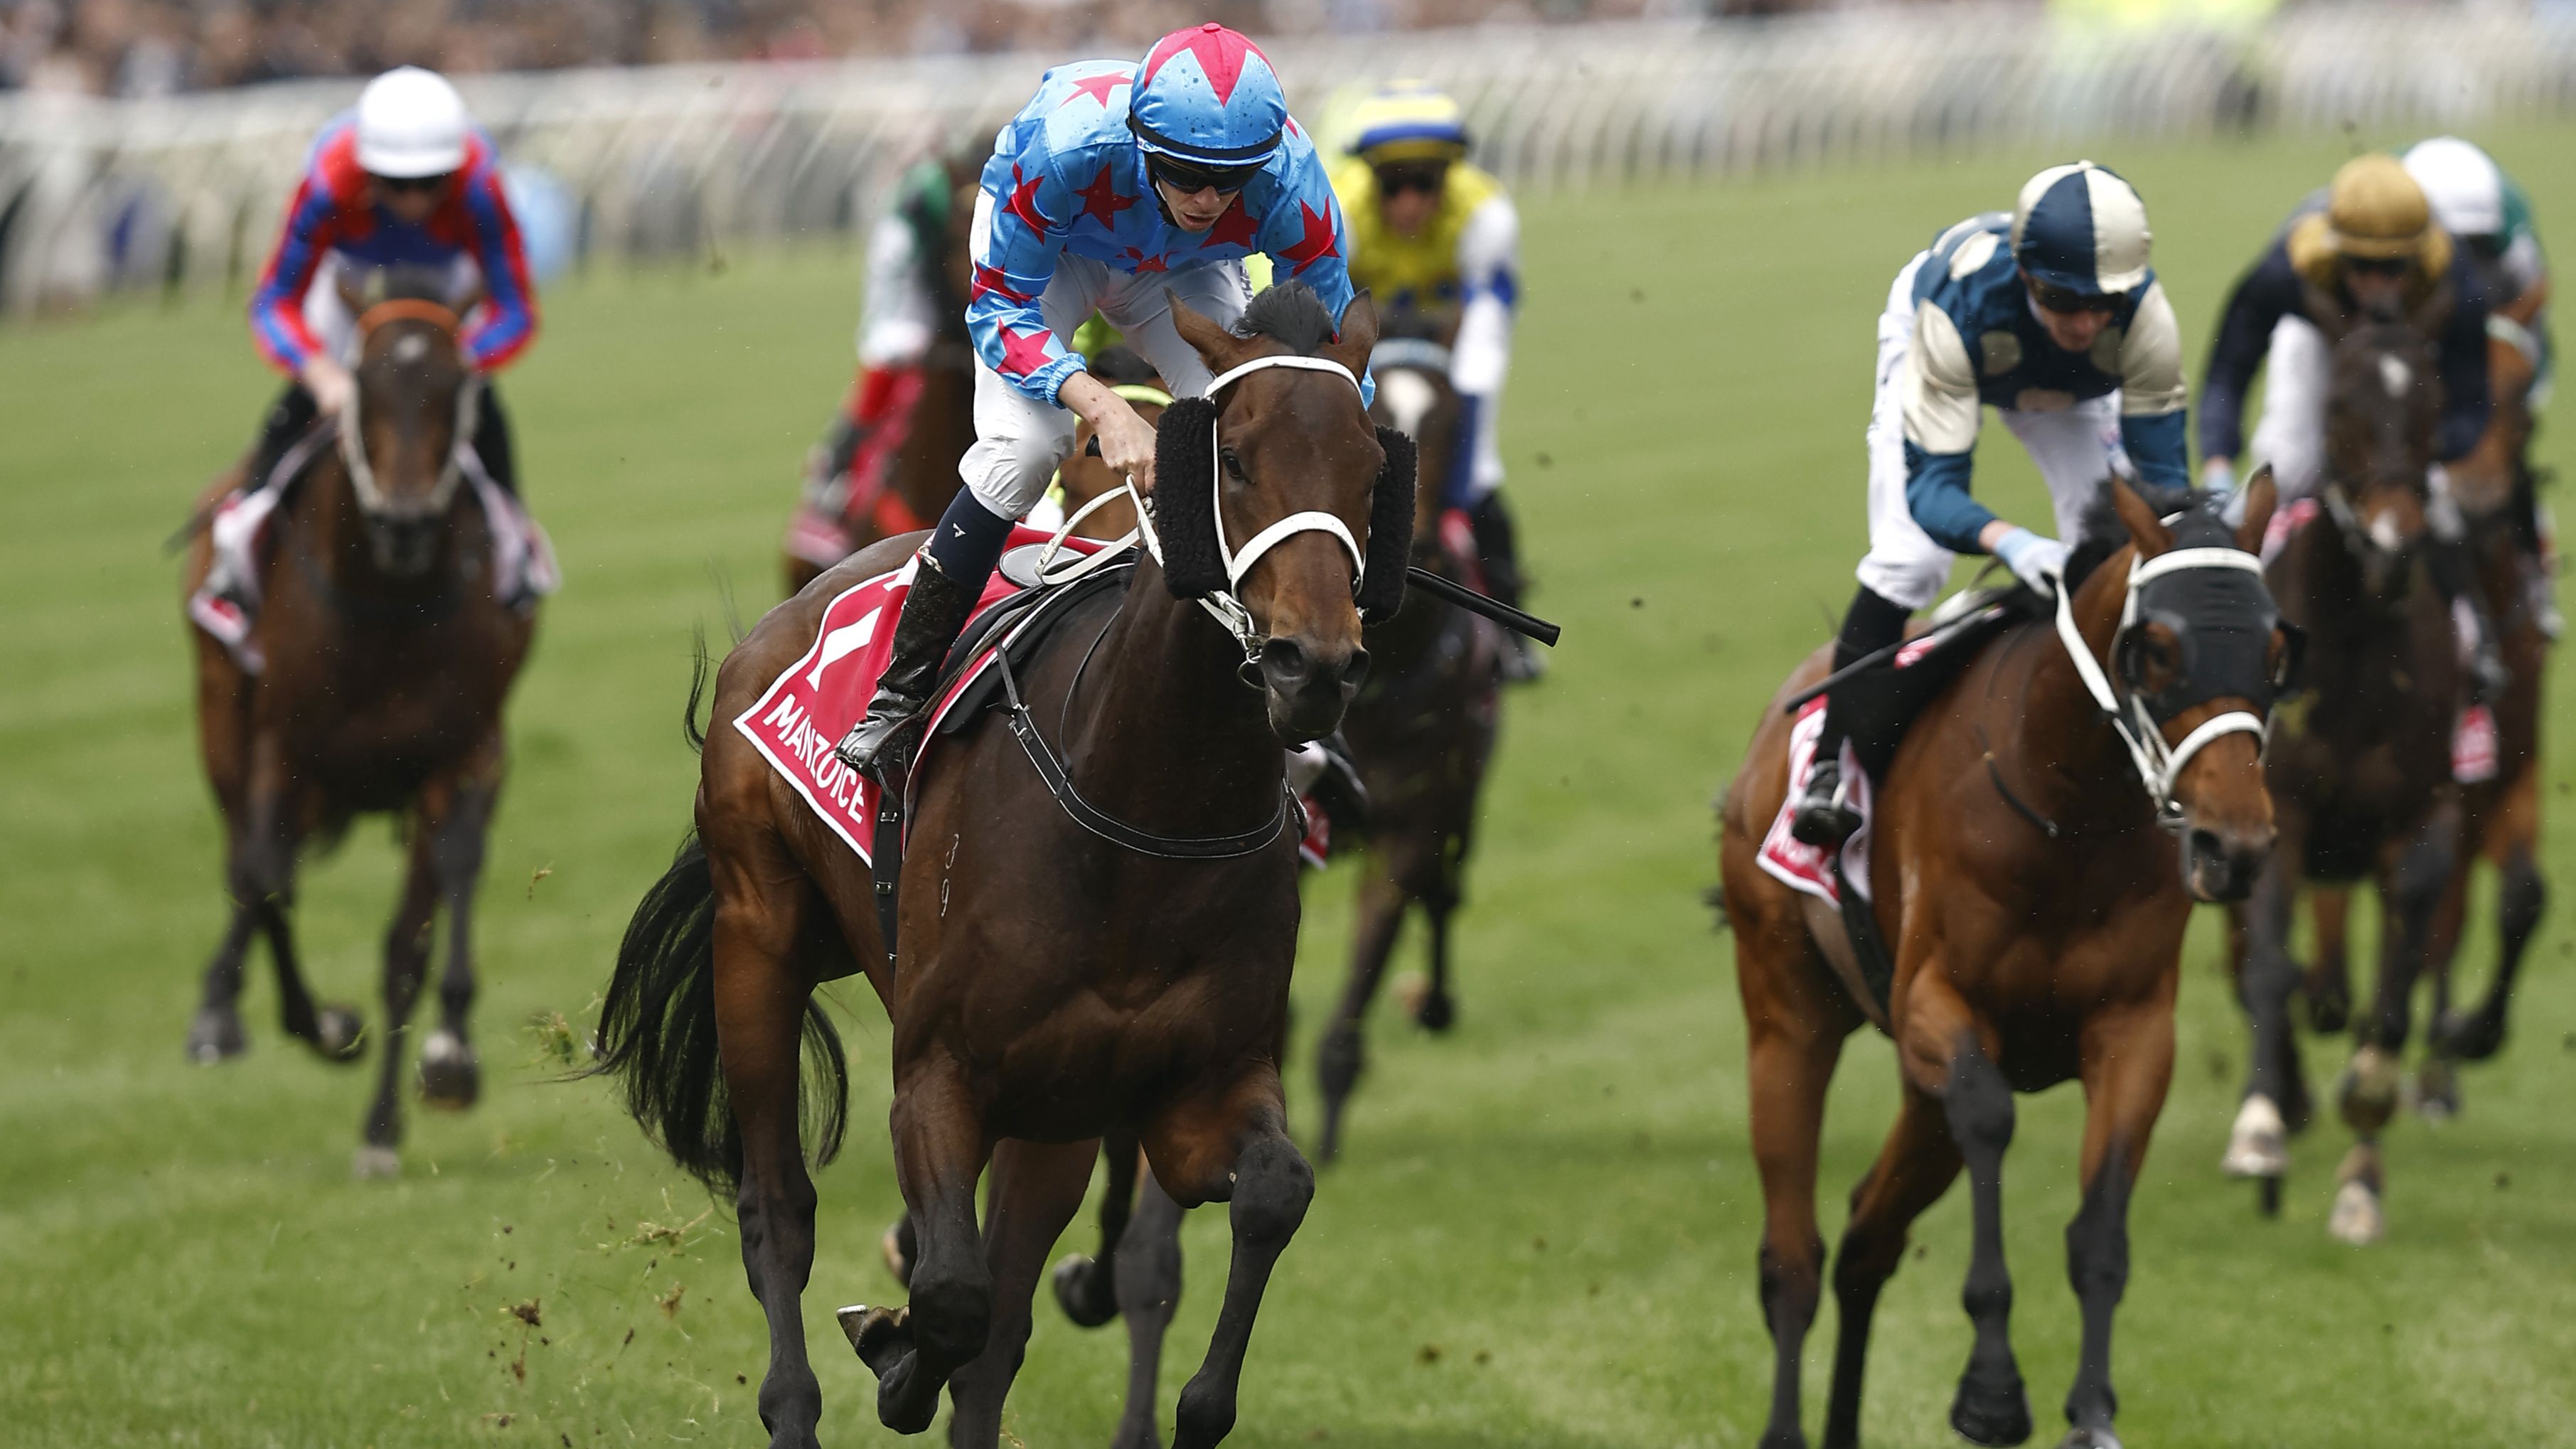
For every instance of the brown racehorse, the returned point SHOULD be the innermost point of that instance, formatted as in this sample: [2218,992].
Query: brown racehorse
[2360,769]
[388,659]
[2036,919]
[1055,985]
[922,475]
[2500,815]
[1423,730]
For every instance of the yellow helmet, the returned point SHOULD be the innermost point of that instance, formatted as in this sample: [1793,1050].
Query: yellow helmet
[1409,121]
[2376,212]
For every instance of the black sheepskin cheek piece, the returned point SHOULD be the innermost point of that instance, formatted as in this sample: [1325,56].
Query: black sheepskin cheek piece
[1185,498]
[1390,534]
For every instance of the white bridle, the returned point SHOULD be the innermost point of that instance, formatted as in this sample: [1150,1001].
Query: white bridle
[1223,606]
[2158,767]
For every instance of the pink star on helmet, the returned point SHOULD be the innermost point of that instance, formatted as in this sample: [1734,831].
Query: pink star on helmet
[1219,51]
[1318,243]
[1024,352]
[1098,87]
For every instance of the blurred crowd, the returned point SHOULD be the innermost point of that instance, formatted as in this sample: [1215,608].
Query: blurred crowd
[159,47]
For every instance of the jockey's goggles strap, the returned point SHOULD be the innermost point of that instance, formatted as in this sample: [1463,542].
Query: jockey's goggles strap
[1419,352]
[1310,521]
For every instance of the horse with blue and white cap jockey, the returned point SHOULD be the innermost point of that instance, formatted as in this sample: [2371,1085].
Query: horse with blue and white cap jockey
[2051,315]
[1119,188]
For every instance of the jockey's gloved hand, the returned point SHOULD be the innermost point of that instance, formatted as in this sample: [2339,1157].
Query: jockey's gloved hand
[2036,561]
[328,381]
[2218,475]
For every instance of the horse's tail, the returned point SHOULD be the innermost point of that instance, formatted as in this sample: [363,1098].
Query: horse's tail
[690,730]
[657,1034]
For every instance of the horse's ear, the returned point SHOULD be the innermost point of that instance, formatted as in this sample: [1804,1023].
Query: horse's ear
[2146,530]
[1216,347]
[2261,496]
[1390,535]
[1358,336]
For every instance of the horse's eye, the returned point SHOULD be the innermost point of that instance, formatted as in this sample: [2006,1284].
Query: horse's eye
[1233,465]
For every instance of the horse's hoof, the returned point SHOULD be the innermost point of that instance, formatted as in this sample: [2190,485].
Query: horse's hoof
[1078,1292]
[2089,1439]
[2367,1090]
[2356,1217]
[879,1336]
[2258,1146]
[897,1247]
[449,1077]
[339,1034]
[216,1036]
[374,1161]
[2471,1038]
[1992,1411]
[2437,1091]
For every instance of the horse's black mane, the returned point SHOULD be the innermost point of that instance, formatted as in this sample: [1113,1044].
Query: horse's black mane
[1291,315]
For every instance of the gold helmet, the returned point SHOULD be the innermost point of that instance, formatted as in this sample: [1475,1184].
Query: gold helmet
[2374,212]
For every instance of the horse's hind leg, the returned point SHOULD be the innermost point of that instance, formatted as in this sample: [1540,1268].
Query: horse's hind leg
[1149,1291]
[1913,1169]
[2127,1065]
[1238,1150]
[2521,897]
[1087,1288]
[939,1151]
[1342,1054]
[1790,1064]
[1036,1190]
[761,993]
[406,965]
[449,1075]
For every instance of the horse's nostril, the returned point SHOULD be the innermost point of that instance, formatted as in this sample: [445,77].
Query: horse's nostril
[1355,669]
[1283,660]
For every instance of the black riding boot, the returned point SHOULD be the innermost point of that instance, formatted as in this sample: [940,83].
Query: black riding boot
[1822,818]
[2455,577]
[288,419]
[948,577]
[1498,554]
[492,441]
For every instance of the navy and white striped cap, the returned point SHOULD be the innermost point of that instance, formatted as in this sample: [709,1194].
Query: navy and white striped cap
[2081,227]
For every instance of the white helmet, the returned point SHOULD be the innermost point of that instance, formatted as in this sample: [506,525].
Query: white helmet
[411,123]
[2462,183]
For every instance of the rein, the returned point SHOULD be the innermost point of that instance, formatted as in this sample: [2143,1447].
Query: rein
[2158,766]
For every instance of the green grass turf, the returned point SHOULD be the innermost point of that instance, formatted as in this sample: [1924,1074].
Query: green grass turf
[1544,1232]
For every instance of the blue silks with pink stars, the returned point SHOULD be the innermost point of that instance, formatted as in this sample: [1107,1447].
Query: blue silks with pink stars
[1068,175]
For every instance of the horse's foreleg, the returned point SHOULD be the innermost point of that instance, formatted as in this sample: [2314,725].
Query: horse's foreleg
[1790,1065]
[449,1074]
[1036,1189]
[1087,1288]
[1438,1010]
[1342,1053]
[939,1151]
[1149,1291]
[2127,1065]
[406,965]
[216,1032]
[1237,1150]
[2258,1145]
[760,996]
[2410,891]
[1913,1169]
[2521,897]
[1991,1407]
[2327,982]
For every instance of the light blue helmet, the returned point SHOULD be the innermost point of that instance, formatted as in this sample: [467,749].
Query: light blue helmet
[1207,97]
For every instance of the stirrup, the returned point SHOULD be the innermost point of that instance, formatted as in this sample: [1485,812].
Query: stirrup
[1822,819]
[881,744]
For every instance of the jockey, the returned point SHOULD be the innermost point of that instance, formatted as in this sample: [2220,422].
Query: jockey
[1430,230]
[2490,217]
[407,179]
[899,316]
[1117,187]
[2051,315]
[2369,245]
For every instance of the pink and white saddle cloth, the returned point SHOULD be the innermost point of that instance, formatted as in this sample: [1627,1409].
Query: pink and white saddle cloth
[1793,862]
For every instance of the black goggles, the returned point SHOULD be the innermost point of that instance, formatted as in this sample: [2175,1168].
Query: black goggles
[2221,622]
[403,184]
[2377,266]
[1399,177]
[2054,298]
[1189,177]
